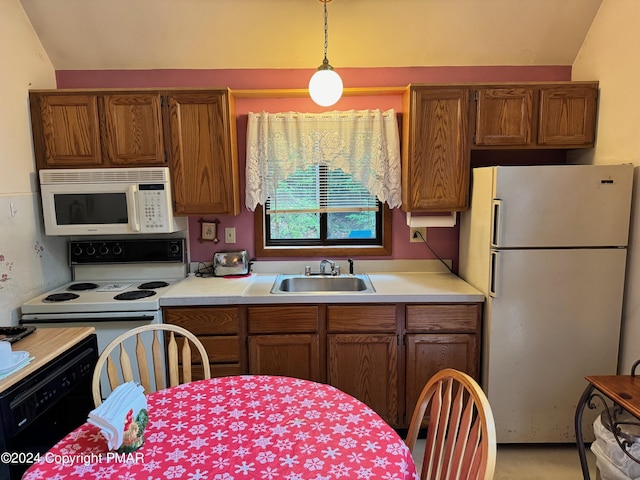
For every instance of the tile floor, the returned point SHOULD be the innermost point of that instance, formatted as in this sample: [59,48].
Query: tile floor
[535,462]
[538,462]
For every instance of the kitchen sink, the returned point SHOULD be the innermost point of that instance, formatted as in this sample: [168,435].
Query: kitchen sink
[323,284]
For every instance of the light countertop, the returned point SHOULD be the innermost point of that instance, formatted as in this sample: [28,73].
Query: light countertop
[396,287]
[45,344]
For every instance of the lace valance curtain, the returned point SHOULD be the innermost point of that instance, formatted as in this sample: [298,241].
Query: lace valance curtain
[362,143]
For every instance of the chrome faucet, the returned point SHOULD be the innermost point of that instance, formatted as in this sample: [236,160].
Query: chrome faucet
[323,266]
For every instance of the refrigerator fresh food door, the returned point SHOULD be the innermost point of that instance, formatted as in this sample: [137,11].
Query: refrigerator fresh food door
[553,318]
[561,206]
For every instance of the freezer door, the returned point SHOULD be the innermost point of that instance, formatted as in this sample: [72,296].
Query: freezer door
[561,206]
[553,318]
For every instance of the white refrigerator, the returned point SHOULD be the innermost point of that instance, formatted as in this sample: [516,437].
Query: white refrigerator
[547,247]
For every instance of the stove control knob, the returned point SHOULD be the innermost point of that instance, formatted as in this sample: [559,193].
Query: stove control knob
[91,250]
[104,250]
[117,250]
[174,248]
[77,250]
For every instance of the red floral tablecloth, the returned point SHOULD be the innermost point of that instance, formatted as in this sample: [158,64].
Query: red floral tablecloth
[245,427]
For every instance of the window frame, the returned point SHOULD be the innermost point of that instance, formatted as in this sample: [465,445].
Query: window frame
[261,250]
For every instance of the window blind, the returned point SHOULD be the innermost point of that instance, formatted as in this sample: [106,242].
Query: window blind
[319,189]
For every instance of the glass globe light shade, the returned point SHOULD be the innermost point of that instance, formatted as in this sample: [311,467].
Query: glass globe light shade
[325,86]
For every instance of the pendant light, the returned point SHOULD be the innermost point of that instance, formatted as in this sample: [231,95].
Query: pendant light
[325,86]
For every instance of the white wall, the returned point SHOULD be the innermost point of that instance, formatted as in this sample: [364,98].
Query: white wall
[25,254]
[610,55]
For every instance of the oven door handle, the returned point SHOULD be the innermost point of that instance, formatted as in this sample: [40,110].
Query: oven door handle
[33,318]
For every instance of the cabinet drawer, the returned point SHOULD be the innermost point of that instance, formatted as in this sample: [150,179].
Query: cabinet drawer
[222,349]
[217,370]
[204,321]
[443,318]
[303,319]
[361,318]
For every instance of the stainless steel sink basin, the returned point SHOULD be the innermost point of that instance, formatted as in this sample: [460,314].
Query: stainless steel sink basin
[323,284]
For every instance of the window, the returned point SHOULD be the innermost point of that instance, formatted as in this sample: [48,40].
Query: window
[319,206]
[319,182]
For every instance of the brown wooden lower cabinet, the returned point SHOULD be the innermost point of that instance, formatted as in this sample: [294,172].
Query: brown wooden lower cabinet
[218,328]
[382,354]
[426,354]
[294,355]
[284,340]
[366,367]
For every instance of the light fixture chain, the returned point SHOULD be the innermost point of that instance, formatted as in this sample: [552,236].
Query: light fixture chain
[326,33]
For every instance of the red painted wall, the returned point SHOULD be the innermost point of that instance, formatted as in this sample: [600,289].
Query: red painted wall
[443,240]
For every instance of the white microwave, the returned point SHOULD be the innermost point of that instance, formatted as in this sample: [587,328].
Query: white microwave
[108,201]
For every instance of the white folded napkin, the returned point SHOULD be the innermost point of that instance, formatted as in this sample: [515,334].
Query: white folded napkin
[118,412]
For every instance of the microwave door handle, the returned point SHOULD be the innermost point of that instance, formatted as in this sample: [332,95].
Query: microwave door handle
[133,210]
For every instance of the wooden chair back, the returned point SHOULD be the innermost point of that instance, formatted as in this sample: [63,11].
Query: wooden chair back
[122,370]
[461,433]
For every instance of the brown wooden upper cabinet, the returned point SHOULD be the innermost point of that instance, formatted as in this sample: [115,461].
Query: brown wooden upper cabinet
[561,115]
[504,115]
[97,130]
[203,146]
[191,131]
[435,148]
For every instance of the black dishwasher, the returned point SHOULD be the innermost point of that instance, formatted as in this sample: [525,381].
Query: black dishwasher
[38,411]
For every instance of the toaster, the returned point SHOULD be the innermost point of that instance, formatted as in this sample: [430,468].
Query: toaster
[234,262]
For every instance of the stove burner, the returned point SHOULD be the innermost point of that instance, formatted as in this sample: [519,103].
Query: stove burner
[82,286]
[134,295]
[61,297]
[151,285]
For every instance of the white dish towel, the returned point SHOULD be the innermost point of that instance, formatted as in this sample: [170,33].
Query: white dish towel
[110,417]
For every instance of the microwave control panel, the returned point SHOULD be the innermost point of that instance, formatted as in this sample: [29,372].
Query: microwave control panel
[153,203]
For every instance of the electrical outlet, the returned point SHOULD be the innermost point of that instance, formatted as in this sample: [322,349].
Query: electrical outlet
[230,235]
[415,232]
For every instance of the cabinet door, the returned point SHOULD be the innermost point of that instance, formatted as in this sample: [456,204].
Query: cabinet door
[66,130]
[203,153]
[504,115]
[568,115]
[133,129]
[435,155]
[295,356]
[366,367]
[427,354]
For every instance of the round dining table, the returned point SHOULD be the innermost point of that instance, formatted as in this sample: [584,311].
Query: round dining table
[241,427]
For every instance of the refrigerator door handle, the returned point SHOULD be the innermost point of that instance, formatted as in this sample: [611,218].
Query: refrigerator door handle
[496,222]
[493,274]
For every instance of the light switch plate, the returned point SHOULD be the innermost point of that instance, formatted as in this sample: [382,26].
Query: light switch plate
[230,235]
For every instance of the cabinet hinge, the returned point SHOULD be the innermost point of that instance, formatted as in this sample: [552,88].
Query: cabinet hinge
[166,157]
[474,138]
[475,95]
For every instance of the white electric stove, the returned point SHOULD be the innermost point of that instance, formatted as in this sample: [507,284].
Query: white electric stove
[114,282]
[92,299]
[116,287]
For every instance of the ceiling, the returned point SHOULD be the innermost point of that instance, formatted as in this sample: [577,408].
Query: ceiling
[230,34]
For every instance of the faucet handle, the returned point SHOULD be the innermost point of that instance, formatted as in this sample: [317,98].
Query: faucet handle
[307,270]
[336,271]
